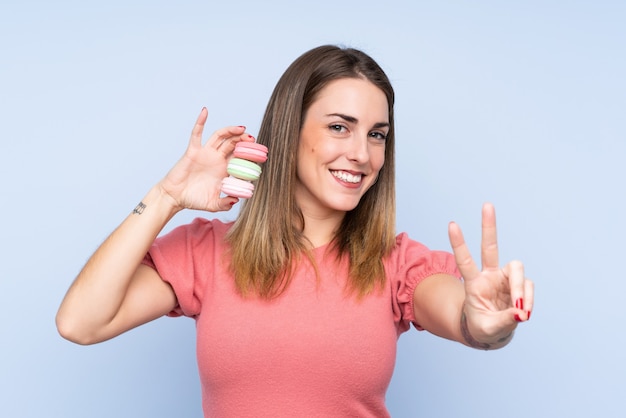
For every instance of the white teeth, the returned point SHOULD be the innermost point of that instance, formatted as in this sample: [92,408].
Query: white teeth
[350,178]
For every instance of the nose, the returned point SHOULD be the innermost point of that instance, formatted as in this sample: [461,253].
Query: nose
[358,149]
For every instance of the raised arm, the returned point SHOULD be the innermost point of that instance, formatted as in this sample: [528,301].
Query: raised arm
[114,292]
[483,310]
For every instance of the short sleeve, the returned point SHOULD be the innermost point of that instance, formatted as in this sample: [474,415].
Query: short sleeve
[410,263]
[185,258]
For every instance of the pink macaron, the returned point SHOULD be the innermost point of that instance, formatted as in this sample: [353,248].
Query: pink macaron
[251,151]
[235,187]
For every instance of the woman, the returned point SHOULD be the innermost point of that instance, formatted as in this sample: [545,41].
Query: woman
[300,301]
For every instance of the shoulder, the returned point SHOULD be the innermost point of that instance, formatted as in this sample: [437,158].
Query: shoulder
[200,229]
[215,226]
[409,254]
[200,233]
[406,248]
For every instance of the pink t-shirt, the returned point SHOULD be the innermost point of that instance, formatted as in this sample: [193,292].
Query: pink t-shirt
[311,352]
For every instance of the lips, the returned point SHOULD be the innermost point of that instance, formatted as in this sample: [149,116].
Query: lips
[347,177]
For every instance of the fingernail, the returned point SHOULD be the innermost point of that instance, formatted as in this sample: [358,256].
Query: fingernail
[242,126]
[251,137]
[517,318]
[232,203]
[519,304]
[528,315]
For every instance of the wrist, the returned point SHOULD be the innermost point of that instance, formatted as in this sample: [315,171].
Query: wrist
[499,342]
[157,203]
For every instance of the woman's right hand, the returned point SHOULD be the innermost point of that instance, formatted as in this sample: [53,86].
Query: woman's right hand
[196,179]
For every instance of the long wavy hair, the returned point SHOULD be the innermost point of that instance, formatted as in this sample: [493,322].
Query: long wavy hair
[266,239]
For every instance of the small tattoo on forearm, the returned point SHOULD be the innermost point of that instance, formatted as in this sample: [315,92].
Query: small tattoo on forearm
[139,208]
[477,344]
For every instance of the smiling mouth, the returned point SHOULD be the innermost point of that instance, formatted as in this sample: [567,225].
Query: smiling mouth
[347,177]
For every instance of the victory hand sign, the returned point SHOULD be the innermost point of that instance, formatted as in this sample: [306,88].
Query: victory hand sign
[496,298]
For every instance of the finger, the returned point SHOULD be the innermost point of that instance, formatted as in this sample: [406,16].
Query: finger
[228,144]
[198,128]
[462,256]
[514,272]
[227,136]
[247,138]
[529,297]
[226,203]
[509,318]
[489,244]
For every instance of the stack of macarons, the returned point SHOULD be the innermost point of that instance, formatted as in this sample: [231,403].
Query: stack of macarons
[243,169]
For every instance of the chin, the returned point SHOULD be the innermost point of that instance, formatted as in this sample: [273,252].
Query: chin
[345,205]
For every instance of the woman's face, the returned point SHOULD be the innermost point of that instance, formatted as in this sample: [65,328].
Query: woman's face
[342,146]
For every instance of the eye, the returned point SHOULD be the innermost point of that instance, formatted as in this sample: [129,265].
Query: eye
[337,128]
[378,135]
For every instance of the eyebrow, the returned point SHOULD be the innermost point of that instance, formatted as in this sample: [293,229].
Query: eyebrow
[352,119]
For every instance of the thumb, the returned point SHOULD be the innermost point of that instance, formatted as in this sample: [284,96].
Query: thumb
[507,320]
[227,203]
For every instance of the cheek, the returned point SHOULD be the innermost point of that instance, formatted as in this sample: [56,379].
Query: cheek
[304,159]
[306,148]
[377,157]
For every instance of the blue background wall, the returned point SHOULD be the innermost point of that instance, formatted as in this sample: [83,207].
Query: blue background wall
[518,103]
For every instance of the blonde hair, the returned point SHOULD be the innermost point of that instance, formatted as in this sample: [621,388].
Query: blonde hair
[266,239]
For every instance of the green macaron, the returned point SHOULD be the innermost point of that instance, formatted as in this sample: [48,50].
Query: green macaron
[243,169]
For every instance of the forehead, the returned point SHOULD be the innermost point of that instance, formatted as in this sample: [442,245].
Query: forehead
[357,96]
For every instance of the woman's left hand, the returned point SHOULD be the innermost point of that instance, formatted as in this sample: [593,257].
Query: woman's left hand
[496,298]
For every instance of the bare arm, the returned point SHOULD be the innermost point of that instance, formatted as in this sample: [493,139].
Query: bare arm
[483,310]
[438,305]
[114,292]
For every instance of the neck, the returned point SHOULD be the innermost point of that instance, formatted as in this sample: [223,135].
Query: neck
[320,230]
